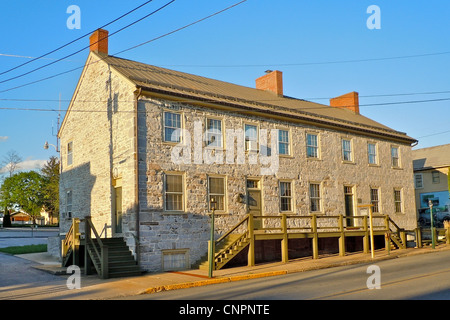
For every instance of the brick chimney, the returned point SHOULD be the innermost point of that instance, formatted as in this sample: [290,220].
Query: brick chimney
[348,101]
[272,81]
[99,41]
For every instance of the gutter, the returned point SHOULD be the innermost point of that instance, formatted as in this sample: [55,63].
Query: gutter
[137,206]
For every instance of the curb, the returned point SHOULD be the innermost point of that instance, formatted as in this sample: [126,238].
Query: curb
[279,272]
[212,281]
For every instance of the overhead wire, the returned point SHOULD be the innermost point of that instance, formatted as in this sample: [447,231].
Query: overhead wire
[130,48]
[84,48]
[73,41]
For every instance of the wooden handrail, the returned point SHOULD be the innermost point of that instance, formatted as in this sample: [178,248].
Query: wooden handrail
[102,256]
[232,229]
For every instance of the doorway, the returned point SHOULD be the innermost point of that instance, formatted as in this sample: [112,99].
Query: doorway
[349,205]
[254,201]
[117,223]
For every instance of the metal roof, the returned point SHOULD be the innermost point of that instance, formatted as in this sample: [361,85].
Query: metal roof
[205,89]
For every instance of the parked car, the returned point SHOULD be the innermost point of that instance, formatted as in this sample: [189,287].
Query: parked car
[439,216]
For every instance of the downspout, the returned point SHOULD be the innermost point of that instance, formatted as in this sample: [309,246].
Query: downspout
[137,94]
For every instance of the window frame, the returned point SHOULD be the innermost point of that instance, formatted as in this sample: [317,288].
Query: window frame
[421,180]
[316,147]
[289,197]
[376,201]
[182,193]
[433,177]
[350,144]
[315,198]
[397,157]
[246,146]
[69,159]
[398,202]
[374,154]
[207,133]
[164,137]
[210,194]
[69,204]
[287,143]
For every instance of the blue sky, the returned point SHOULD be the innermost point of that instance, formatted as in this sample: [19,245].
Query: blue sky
[323,47]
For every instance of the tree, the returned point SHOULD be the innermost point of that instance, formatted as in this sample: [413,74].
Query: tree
[24,190]
[50,172]
[11,162]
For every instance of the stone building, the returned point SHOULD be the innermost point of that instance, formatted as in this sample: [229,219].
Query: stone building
[144,151]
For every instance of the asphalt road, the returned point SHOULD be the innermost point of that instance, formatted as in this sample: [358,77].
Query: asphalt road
[11,237]
[420,277]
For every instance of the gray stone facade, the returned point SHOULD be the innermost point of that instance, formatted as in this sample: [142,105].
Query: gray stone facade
[106,132]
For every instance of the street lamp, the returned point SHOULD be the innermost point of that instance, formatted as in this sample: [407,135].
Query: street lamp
[433,240]
[211,241]
[46,145]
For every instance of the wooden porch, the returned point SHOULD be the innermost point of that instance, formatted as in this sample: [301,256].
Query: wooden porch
[285,227]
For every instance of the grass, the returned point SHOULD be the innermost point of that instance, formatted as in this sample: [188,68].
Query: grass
[33,248]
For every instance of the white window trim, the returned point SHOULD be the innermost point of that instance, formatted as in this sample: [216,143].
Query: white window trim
[401,200]
[292,200]
[399,158]
[376,154]
[289,143]
[163,125]
[320,196]
[225,196]
[257,137]
[223,132]
[352,154]
[319,151]
[176,173]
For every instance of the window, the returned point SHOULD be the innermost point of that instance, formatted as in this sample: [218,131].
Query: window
[314,197]
[70,153]
[286,196]
[435,177]
[374,200]
[312,145]
[251,137]
[398,200]
[372,153]
[214,136]
[216,191]
[418,180]
[172,127]
[283,142]
[174,192]
[395,159]
[69,204]
[175,259]
[347,150]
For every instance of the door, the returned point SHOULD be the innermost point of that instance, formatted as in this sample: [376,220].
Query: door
[254,201]
[349,205]
[118,210]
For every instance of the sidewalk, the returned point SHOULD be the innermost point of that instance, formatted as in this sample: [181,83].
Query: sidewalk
[94,288]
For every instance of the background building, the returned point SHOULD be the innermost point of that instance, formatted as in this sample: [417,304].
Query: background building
[431,171]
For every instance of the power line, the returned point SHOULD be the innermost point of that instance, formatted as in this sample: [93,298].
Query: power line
[78,51]
[311,63]
[212,100]
[154,39]
[73,41]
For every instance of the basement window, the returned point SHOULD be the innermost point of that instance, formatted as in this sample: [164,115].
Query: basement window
[175,259]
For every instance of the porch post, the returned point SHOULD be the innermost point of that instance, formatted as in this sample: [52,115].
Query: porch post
[284,241]
[251,246]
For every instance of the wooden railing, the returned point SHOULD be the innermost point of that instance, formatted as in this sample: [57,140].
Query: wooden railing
[95,251]
[285,227]
[71,243]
